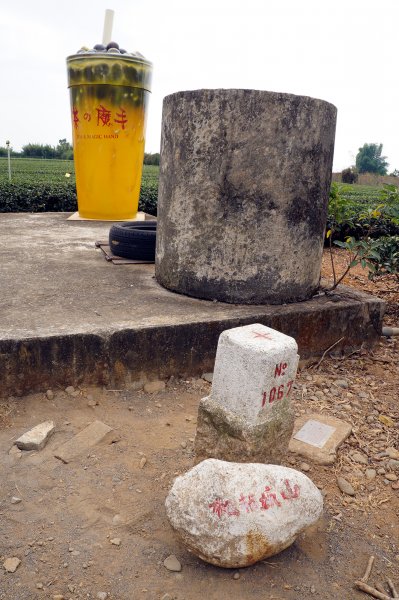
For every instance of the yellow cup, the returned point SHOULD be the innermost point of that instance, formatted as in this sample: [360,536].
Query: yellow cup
[109,97]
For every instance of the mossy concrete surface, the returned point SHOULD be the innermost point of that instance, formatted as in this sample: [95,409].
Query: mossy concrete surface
[68,317]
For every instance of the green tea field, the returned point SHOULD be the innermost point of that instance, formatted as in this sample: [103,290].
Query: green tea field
[40,185]
[36,170]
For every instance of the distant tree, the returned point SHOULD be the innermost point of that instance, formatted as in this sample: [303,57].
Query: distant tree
[151,159]
[39,151]
[64,150]
[394,173]
[369,160]
[4,152]
[349,175]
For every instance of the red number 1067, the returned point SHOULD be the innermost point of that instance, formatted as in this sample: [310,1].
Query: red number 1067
[276,393]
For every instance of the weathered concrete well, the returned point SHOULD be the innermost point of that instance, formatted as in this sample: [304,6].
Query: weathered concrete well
[243,194]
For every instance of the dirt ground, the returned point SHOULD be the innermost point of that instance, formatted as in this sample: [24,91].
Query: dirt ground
[62,528]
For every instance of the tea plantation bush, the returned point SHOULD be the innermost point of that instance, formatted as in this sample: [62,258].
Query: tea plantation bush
[352,202]
[40,185]
[49,186]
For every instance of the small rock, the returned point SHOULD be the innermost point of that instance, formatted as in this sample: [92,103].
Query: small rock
[39,586]
[58,597]
[391,477]
[362,394]
[207,377]
[70,390]
[50,395]
[172,564]
[183,444]
[345,486]
[359,458]
[392,453]
[393,464]
[154,386]
[116,541]
[370,473]
[395,486]
[92,403]
[385,420]
[15,452]
[312,589]
[11,564]
[381,471]
[166,597]
[102,595]
[15,500]
[117,520]
[370,418]
[36,438]
[236,575]
[304,467]
[342,383]
[71,588]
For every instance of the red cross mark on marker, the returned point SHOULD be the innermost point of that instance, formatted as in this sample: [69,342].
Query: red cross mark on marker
[265,336]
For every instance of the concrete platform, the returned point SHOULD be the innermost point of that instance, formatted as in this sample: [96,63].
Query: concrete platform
[67,316]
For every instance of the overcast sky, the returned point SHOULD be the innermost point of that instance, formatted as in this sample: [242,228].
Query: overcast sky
[345,52]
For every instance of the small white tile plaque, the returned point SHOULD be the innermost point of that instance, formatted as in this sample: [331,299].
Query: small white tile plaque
[314,433]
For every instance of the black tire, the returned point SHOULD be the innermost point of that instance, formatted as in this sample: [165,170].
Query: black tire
[135,240]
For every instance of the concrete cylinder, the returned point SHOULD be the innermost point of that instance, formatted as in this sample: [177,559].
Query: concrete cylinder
[243,193]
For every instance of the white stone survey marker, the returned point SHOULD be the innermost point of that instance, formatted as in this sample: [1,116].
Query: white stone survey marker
[255,369]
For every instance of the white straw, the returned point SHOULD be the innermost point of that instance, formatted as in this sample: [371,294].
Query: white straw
[108,22]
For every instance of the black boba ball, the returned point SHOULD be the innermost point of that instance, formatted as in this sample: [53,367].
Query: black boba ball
[112,45]
[99,48]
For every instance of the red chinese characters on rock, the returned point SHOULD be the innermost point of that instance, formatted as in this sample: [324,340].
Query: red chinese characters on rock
[268,499]
[278,392]
[289,493]
[104,117]
[248,503]
[221,507]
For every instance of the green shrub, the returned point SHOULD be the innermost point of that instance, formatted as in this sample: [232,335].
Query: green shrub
[59,197]
[351,210]
[37,197]
[387,249]
[349,175]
